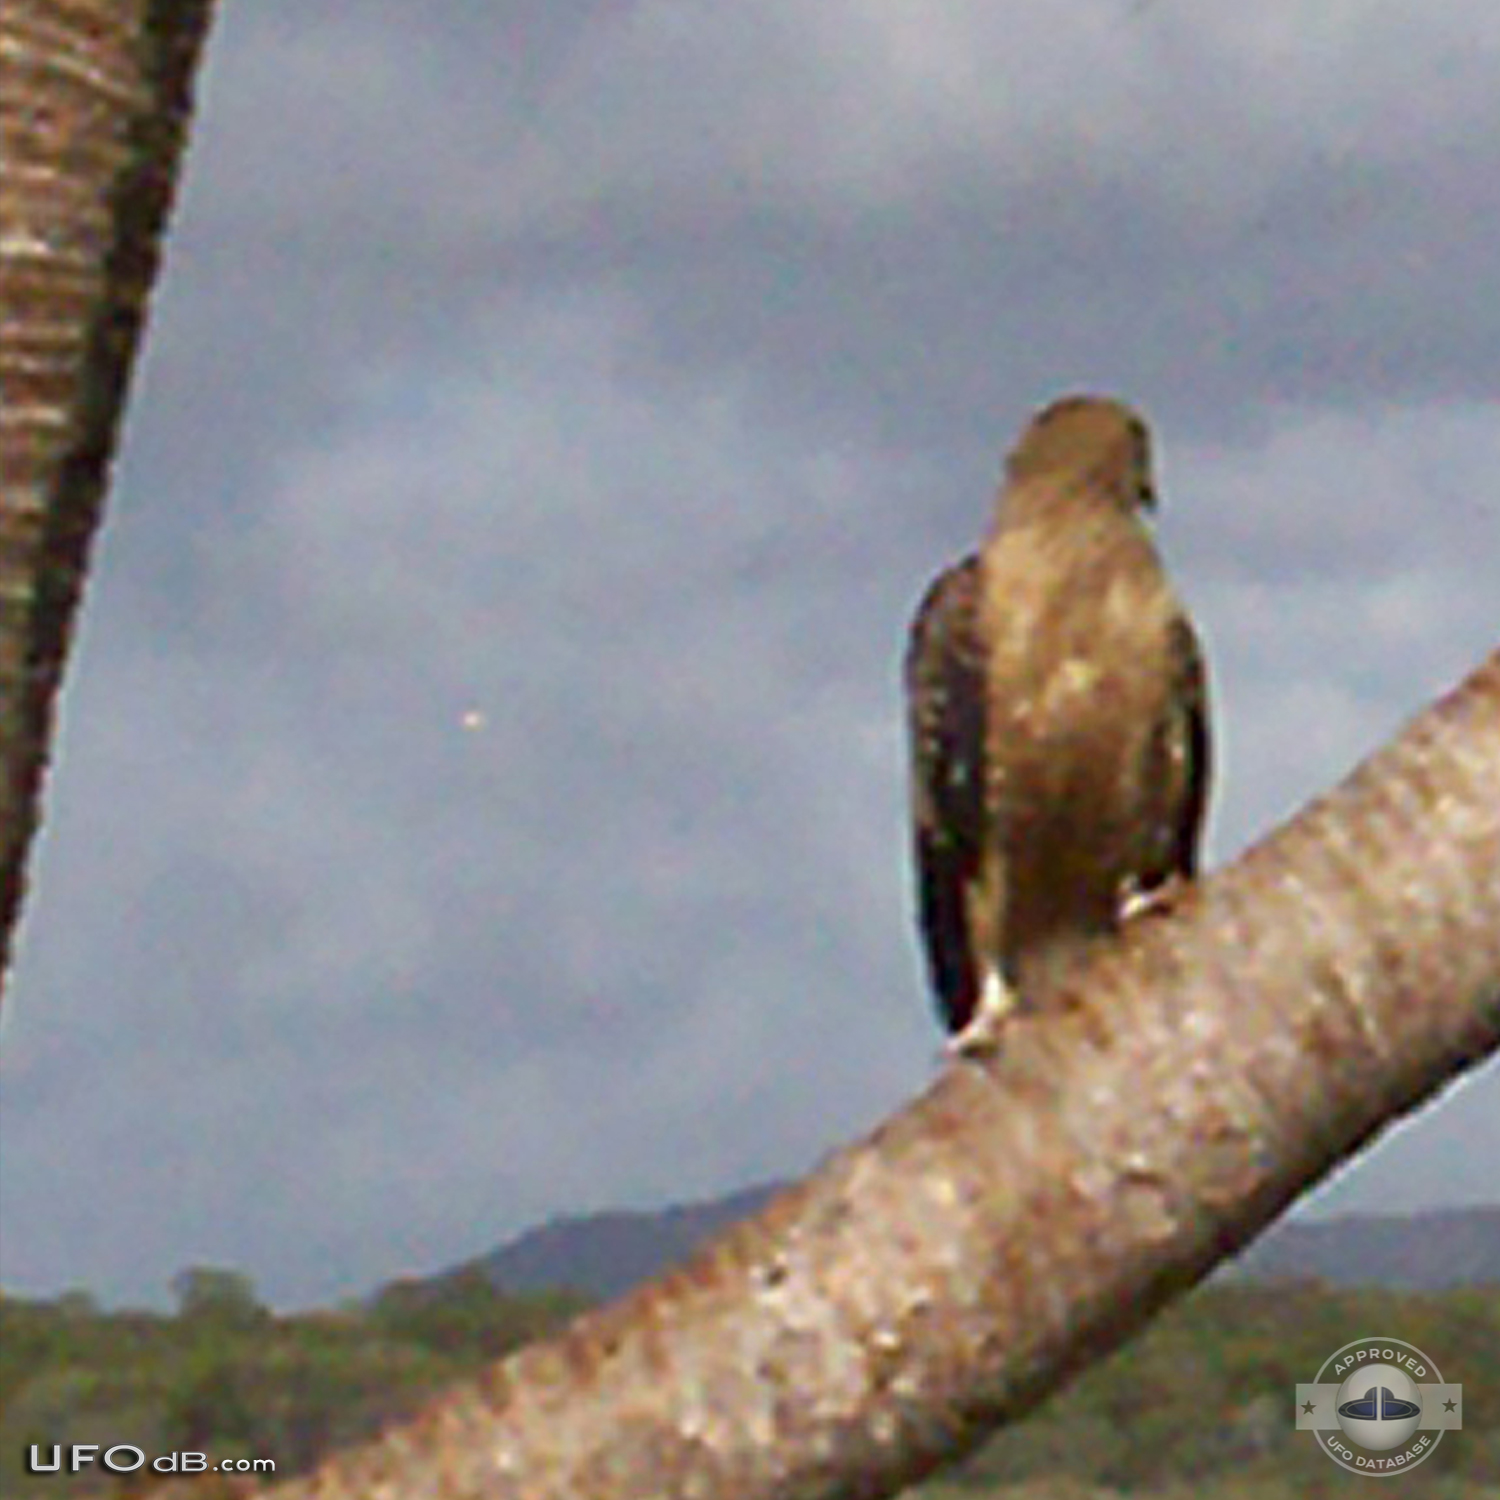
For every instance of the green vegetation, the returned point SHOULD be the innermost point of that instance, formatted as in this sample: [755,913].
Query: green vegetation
[227,1377]
[1200,1405]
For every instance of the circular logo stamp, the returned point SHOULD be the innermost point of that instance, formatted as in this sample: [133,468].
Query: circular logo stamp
[1379,1406]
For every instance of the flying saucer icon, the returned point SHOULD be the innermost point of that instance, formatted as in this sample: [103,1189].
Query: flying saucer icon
[1379,1404]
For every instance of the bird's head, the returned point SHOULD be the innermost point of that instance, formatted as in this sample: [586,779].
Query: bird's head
[1091,441]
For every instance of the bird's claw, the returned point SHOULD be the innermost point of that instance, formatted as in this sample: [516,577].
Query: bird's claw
[980,1036]
[1155,901]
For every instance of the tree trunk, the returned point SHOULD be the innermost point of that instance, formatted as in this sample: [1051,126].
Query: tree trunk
[1025,1216]
[93,111]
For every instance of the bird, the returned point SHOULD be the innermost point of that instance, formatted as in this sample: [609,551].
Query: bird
[1058,718]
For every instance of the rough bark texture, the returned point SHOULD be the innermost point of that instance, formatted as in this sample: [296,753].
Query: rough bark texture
[93,110]
[1025,1216]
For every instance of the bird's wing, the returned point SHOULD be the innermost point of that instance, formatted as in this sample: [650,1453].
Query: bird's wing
[945,686]
[1188,757]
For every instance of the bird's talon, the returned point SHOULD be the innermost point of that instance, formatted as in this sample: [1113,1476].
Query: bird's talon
[1159,901]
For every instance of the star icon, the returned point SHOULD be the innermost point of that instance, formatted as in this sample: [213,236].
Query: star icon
[1308,1406]
[1449,1405]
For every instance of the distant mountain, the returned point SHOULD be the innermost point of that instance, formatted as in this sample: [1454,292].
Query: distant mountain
[1426,1252]
[604,1254]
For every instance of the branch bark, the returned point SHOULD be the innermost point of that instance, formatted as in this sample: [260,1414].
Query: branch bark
[1023,1217]
[1019,1219]
[93,112]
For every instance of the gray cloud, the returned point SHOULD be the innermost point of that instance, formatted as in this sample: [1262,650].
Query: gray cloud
[480,790]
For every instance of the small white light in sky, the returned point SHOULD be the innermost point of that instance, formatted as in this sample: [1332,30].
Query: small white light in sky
[472,720]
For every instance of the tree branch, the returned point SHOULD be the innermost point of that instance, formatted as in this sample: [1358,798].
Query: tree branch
[1023,1217]
[1020,1218]
[93,111]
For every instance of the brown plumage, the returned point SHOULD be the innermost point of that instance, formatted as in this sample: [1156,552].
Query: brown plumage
[1059,722]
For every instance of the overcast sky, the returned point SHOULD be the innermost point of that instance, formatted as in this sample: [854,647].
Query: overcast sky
[479,789]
